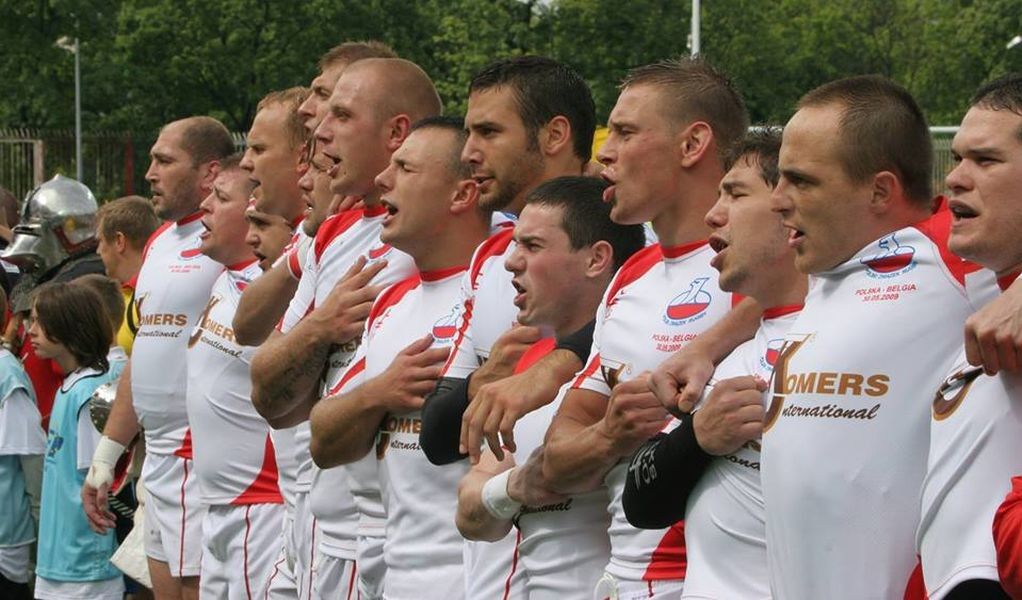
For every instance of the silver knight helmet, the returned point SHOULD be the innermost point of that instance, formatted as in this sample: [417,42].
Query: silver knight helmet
[58,220]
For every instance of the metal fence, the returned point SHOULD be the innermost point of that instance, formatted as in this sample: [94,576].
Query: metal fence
[115,162]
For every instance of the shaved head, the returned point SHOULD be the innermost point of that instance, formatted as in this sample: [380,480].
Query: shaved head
[418,97]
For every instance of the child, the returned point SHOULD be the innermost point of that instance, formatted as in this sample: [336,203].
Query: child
[71,326]
[22,444]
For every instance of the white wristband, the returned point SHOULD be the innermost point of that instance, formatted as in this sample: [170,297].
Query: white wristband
[104,460]
[495,497]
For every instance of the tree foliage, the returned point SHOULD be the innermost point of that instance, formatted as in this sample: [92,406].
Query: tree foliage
[145,62]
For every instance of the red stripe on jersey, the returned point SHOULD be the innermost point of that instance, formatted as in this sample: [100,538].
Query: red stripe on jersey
[294,264]
[374,211]
[669,560]
[244,545]
[264,489]
[185,450]
[159,231]
[1007,535]
[353,370]
[938,229]
[534,353]
[915,589]
[390,297]
[1005,282]
[682,250]
[181,547]
[594,363]
[635,267]
[495,245]
[353,580]
[781,311]
[736,299]
[333,227]
[514,557]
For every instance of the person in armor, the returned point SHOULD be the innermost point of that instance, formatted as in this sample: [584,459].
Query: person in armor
[55,241]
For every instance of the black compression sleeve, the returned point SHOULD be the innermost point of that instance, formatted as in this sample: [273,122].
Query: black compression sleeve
[579,342]
[441,421]
[661,476]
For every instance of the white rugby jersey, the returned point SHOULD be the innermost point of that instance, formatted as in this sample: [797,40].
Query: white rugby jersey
[847,431]
[564,546]
[485,289]
[725,516]
[342,516]
[659,301]
[423,549]
[340,240]
[172,290]
[974,453]
[234,457]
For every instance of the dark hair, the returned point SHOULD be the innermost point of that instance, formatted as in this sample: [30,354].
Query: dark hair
[349,52]
[456,126]
[1003,93]
[586,217]
[762,144]
[543,89]
[881,129]
[133,216]
[109,291]
[73,315]
[290,98]
[205,139]
[694,90]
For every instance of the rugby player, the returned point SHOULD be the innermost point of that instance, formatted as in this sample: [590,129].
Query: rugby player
[669,131]
[567,250]
[846,435]
[172,290]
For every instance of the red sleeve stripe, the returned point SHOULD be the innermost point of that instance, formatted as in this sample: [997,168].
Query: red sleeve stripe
[159,231]
[634,268]
[390,297]
[594,363]
[332,228]
[353,370]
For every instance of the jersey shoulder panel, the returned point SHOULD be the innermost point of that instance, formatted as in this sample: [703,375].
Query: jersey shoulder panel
[392,296]
[495,245]
[332,228]
[156,234]
[633,268]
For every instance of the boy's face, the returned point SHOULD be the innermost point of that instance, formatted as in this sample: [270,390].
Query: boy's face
[43,346]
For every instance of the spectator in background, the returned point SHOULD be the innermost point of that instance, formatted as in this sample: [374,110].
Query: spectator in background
[56,242]
[22,445]
[71,325]
[123,226]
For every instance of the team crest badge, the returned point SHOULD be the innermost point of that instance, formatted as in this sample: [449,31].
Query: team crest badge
[891,258]
[690,305]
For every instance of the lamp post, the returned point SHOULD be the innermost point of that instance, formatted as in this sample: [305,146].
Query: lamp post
[696,33]
[71,45]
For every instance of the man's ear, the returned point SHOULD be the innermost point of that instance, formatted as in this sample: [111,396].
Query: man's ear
[207,173]
[120,242]
[601,259]
[465,197]
[555,136]
[694,142]
[397,129]
[887,189]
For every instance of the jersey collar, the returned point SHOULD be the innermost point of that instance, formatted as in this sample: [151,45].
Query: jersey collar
[439,274]
[195,216]
[682,250]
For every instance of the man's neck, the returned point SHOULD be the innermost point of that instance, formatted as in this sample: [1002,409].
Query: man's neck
[564,167]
